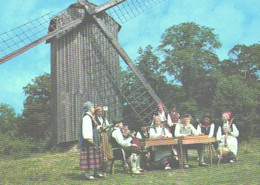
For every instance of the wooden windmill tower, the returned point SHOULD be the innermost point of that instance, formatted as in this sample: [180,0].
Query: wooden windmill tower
[86,64]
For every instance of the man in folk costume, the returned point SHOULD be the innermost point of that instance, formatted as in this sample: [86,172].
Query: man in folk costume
[162,156]
[227,138]
[91,155]
[173,118]
[103,127]
[205,128]
[185,128]
[131,150]
[143,133]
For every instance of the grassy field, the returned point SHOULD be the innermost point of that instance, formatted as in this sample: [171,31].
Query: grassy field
[63,168]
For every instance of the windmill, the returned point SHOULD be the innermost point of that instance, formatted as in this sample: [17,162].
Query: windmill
[87,62]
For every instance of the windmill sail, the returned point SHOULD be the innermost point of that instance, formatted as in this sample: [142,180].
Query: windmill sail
[87,63]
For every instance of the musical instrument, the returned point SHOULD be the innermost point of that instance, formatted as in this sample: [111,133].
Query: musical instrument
[158,141]
[196,139]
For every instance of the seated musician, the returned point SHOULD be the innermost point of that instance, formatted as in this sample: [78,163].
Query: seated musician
[205,128]
[143,133]
[162,157]
[126,132]
[118,141]
[227,138]
[185,128]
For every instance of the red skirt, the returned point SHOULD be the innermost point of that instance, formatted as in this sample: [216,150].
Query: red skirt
[90,156]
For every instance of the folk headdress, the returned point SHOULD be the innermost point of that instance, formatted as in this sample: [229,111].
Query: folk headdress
[227,114]
[86,106]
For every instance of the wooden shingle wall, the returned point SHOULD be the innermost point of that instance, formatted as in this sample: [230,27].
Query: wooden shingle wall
[78,73]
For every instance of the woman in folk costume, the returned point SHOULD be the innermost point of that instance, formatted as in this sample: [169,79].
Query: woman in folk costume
[161,114]
[162,157]
[91,155]
[103,127]
[227,138]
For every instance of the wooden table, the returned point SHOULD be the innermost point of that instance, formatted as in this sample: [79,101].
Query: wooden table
[180,141]
[189,140]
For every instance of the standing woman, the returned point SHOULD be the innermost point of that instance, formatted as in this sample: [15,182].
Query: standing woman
[227,137]
[91,155]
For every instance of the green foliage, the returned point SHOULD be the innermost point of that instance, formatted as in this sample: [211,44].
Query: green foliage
[36,114]
[8,120]
[247,60]
[234,95]
[189,55]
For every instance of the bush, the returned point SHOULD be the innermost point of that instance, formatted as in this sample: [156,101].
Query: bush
[18,147]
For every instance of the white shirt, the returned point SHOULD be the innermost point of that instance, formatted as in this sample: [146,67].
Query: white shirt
[158,131]
[103,123]
[234,133]
[87,130]
[162,116]
[211,131]
[181,130]
[117,134]
[169,119]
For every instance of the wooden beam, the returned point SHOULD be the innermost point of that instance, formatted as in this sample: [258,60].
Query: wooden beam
[108,5]
[38,41]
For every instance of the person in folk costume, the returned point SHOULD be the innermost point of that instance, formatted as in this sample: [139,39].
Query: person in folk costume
[131,150]
[100,119]
[162,157]
[143,133]
[162,115]
[173,118]
[90,155]
[127,132]
[205,128]
[103,127]
[227,138]
[185,128]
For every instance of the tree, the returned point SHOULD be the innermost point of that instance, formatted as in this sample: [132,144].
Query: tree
[247,60]
[234,95]
[189,55]
[36,111]
[8,120]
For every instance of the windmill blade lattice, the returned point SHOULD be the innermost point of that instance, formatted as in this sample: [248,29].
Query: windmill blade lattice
[24,34]
[129,9]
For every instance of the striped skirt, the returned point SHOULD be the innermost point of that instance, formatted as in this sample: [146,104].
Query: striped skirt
[90,156]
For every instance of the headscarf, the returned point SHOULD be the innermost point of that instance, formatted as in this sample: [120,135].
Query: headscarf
[227,114]
[86,106]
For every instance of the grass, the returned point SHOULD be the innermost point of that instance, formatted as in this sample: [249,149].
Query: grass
[63,168]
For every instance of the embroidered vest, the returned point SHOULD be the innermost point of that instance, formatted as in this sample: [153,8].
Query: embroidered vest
[205,128]
[144,134]
[114,143]
[174,117]
[185,129]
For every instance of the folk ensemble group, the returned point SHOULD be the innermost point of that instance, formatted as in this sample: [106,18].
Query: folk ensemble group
[98,136]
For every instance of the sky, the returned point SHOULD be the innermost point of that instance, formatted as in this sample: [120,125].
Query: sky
[234,22]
